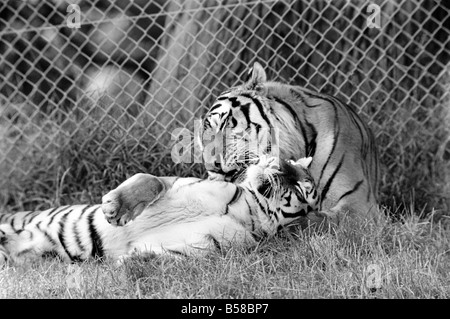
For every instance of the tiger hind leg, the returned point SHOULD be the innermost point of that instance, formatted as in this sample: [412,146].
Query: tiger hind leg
[129,199]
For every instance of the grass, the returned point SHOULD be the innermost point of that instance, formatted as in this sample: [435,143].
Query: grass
[410,254]
[78,156]
[409,258]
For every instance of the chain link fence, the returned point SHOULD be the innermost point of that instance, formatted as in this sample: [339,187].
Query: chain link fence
[90,91]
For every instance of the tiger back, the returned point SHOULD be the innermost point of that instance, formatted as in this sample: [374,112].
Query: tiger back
[306,123]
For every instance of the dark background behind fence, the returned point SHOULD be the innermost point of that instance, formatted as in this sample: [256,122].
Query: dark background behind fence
[83,108]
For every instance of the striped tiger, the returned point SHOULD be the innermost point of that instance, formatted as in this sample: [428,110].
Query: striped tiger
[149,214]
[238,126]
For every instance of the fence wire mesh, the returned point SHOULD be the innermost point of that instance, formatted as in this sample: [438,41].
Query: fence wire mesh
[115,78]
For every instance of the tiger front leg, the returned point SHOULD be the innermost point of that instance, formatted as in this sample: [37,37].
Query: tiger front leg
[353,210]
[327,218]
[334,217]
[129,199]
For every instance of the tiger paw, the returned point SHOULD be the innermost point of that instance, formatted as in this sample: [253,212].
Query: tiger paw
[130,198]
[329,216]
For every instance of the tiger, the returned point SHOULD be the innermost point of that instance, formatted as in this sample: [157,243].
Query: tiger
[263,117]
[147,214]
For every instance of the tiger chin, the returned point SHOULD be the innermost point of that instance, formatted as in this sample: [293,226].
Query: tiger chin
[304,123]
[180,216]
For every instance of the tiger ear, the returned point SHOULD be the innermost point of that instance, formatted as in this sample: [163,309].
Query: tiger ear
[257,76]
[305,162]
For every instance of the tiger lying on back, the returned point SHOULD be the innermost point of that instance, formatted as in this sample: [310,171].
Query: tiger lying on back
[166,215]
[260,115]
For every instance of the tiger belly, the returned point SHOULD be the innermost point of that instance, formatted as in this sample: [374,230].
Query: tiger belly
[196,237]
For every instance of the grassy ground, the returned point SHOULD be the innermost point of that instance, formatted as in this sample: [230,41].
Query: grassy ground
[58,162]
[407,259]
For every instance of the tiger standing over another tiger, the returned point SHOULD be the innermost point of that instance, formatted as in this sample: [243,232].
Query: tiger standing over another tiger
[345,159]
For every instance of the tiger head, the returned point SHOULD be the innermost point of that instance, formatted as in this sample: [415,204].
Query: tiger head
[286,184]
[243,124]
